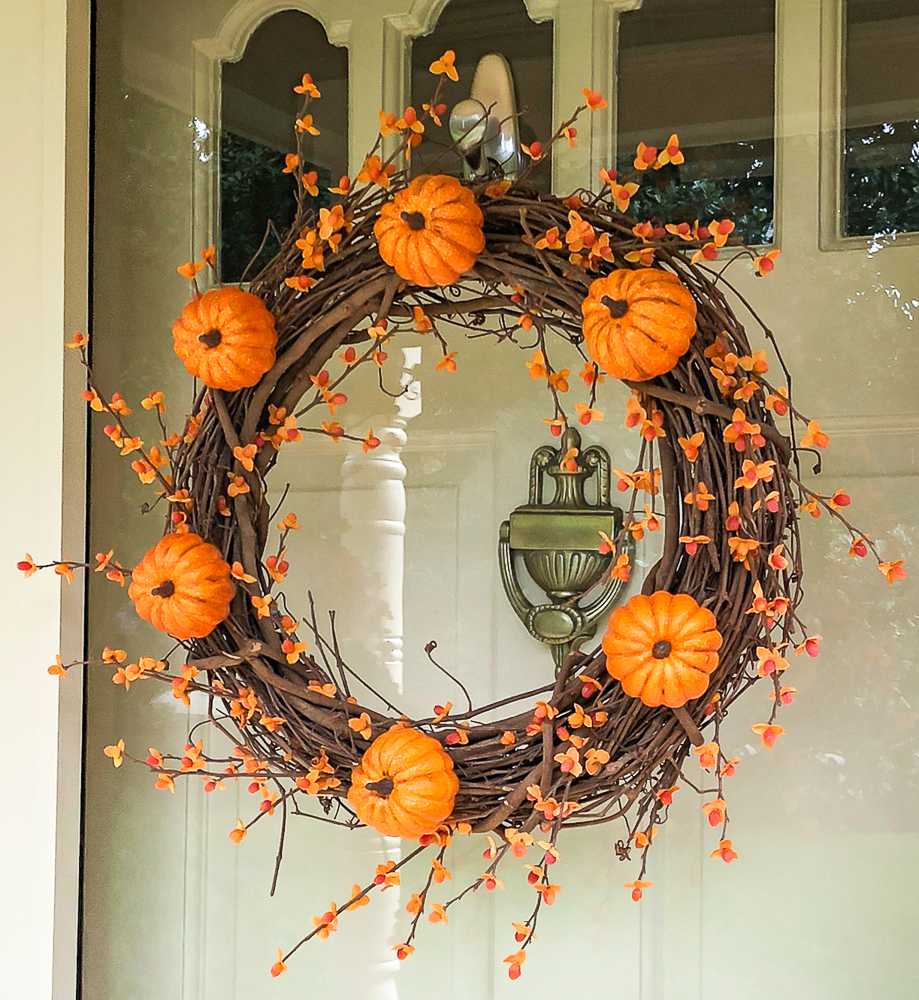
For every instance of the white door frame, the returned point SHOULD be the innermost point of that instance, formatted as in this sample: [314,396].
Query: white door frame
[44,250]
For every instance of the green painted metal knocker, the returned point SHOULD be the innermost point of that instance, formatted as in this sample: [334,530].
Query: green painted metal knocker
[558,541]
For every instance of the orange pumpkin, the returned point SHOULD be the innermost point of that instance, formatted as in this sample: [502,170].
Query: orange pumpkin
[404,786]
[662,648]
[182,586]
[226,338]
[638,324]
[431,232]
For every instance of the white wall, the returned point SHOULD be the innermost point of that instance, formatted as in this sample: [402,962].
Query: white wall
[39,825]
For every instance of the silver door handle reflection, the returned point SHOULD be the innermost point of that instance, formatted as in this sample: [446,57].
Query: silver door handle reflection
[484,126]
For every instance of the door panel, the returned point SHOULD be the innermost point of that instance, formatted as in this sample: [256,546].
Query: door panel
[401,543]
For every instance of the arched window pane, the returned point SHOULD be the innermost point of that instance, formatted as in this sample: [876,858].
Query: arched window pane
[881,173]
[258,109]
[704,69]
[475,28]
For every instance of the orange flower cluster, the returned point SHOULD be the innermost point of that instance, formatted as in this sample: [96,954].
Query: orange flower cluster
[320,777]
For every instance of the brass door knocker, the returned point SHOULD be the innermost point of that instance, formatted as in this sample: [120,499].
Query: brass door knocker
[559,542]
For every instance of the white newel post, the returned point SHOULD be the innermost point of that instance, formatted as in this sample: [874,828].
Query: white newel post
[372,505]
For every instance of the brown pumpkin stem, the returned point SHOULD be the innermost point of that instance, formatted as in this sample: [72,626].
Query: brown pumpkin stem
[166,589]
[415,222]
[617,307]
[661,650]
[210,339]
[383,787]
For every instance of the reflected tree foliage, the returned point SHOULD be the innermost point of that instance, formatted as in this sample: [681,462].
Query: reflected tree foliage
[714,183]
[882,179]
[253,193]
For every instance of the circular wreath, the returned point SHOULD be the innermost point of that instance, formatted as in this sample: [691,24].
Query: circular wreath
[719,567]
[714,469]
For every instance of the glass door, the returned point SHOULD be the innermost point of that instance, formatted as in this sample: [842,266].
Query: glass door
[190,142]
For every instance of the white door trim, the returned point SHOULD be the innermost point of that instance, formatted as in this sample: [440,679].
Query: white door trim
[44,117]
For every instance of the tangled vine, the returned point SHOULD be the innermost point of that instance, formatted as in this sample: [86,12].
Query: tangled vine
[719,469]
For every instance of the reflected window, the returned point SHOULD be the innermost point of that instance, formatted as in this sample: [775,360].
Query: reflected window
[704,69]
[258,109]
[881,144]
[473,29]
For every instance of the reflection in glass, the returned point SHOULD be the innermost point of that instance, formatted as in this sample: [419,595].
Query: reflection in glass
[475,28]
[881,172]
[705,70]
[258,108]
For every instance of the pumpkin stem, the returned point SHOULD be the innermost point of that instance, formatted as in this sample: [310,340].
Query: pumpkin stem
[415,220]
[166,589]
[383,787]
[210,339]
[661,650]
[617,307]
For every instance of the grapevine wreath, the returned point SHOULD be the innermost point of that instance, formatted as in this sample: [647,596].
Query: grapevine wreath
[719,472]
